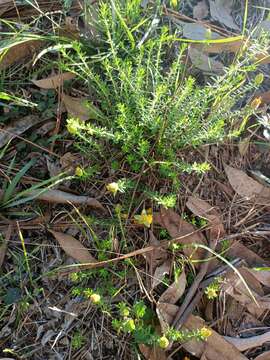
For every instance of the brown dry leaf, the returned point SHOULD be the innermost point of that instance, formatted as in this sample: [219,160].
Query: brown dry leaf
[265,97]
[201,61]
[200,11]
[263,276]
[80,108]
[61,197]
[73,247]
[204,210]
[160,272]
[216,347]
[221,11]
[175,291]
[156,257]
[246,187]
[238,250]
[217,48]
[19,52]
[154,353]
[17,128]
[243,146]
[250,342]
[234,287]
[54,81]
[196,31]
[263,356]
[179,228]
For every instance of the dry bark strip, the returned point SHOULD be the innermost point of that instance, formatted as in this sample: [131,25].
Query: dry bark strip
[250,342]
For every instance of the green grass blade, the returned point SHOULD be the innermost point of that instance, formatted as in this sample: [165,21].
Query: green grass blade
[124,25]
[10,189]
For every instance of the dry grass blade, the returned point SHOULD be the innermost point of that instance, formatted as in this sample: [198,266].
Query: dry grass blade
[216,347]
[17,128]
[152,353]
[246,187]
[19,52]
[177,228]
[55,81]
[61,197]
[250,342]
[73,247]
[175,291]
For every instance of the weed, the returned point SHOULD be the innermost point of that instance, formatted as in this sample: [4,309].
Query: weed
[77,341]
[213,289]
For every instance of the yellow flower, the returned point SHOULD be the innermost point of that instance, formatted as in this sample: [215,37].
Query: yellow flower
[145,218]
[174,3]
[113,188]
[79,171]
[205,332]
[255,103]
[163,342]
[95,298]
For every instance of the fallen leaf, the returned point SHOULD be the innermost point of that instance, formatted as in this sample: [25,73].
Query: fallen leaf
[216,347]
[179,228]
[221,11]
[243,146]
[233,286]
[81,108]
[18,52]
[246,187]
[201,61]
[195,31]
[160,272]
[17,128]
[249,342]
[238,250]
[175,291]
[73,247]
[61,197]
[263,276]
[156,257]
[204,210]
[200,11]
[265,97]
[263,356]
[54,81]
[152,353]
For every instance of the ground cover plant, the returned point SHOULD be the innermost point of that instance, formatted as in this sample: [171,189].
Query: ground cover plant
[122,204]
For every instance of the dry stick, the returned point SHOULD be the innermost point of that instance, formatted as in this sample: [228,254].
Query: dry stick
[188,304]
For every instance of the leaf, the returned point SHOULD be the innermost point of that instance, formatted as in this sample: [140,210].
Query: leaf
[263,276]
[179,228]
[158,256]
[232,46]
[249,342]
[204,210]
[221,11]
[81,108]
[200,11]
[175,291]
[265,97]
[246,187]
[14,53]
[201,61]
[195,31]
[238,250]
[152,353]
[216,347]
[73,247]
[243,146]
[54,81]
[61,197]
[160,272]
[263,356]
[17,128]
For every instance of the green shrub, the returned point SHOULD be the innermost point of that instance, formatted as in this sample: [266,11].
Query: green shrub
[147,107]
